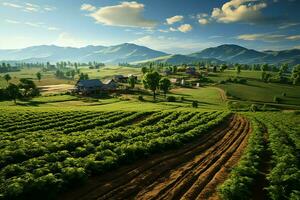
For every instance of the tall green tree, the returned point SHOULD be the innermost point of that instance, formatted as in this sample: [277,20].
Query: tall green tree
[39,76]
[283,69]
[151,81]
[174,69]
[7,77]
[73,72]
[144,70]
[165,85]
[29,87]
[131,81]
[264,67]
[13,92]
[83,76]
[238,68]
[296,75]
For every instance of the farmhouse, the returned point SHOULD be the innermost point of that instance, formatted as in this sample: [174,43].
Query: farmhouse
[120,78]
[94,86]
[88,86]
[110,85]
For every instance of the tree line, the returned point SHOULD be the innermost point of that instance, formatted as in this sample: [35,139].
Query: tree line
[25,89]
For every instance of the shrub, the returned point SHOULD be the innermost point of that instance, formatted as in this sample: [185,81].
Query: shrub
[141,98]
[195,104]
[171,99]
[284,94]
[253,108]
[276,99]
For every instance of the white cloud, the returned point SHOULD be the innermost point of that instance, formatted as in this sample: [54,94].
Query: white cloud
[11,5]
[49,8]
[33,24]
[288,25]
[261,37]
[203,21]
[293,37]
[52,28]
[185,28]
[174,19]
[29,7]
[127,14]
[239,11]
[163,31]
[12,21]
[173,29]
[87,7]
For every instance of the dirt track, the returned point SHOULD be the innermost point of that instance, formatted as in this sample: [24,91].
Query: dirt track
[192,172]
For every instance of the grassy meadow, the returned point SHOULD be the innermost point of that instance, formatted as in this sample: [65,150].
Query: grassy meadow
[209,97]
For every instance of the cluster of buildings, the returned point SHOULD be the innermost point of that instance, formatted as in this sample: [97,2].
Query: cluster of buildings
[95,86]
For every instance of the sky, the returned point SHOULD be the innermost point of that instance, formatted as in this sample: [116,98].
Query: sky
[173,26]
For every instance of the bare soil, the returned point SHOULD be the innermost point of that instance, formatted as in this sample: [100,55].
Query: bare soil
[191,172]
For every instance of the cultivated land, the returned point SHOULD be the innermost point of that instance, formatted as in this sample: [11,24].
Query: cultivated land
[120,147]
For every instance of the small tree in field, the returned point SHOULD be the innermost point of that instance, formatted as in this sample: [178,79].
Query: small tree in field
[151,81]
[144,70]
[238,69]
[30,89]
[39,76]
[13,92]
[7,77]
[131,81]
[296,75]
[195,104]
[165,85]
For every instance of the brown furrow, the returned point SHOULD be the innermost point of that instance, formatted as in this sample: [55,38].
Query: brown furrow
[211,155]
[205,177]
[146,177]
[186,168]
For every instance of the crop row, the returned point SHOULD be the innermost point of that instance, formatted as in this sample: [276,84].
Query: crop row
[96,151]
[281,140]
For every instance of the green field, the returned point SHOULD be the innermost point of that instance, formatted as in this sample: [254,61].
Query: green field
[254,91]
[48,152]
[48,78]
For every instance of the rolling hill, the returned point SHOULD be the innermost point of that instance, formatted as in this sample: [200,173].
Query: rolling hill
[112,54]
[230,53]
[132,53]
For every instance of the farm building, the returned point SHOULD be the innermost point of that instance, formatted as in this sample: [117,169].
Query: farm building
[191,70]
[94,86]
[110,85]
[123,79]
[88,86]
[120,78]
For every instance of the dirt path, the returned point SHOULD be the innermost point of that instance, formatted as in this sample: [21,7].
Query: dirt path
[47,89]
[192,172]
[222,94]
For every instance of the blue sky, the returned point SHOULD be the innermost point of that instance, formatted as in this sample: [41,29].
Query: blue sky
[174,26]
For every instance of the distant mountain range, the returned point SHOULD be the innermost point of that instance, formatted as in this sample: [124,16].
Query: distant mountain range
[235,54]
[50,53]
[131,53]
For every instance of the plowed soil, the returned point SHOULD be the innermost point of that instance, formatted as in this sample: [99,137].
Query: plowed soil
[192,172]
